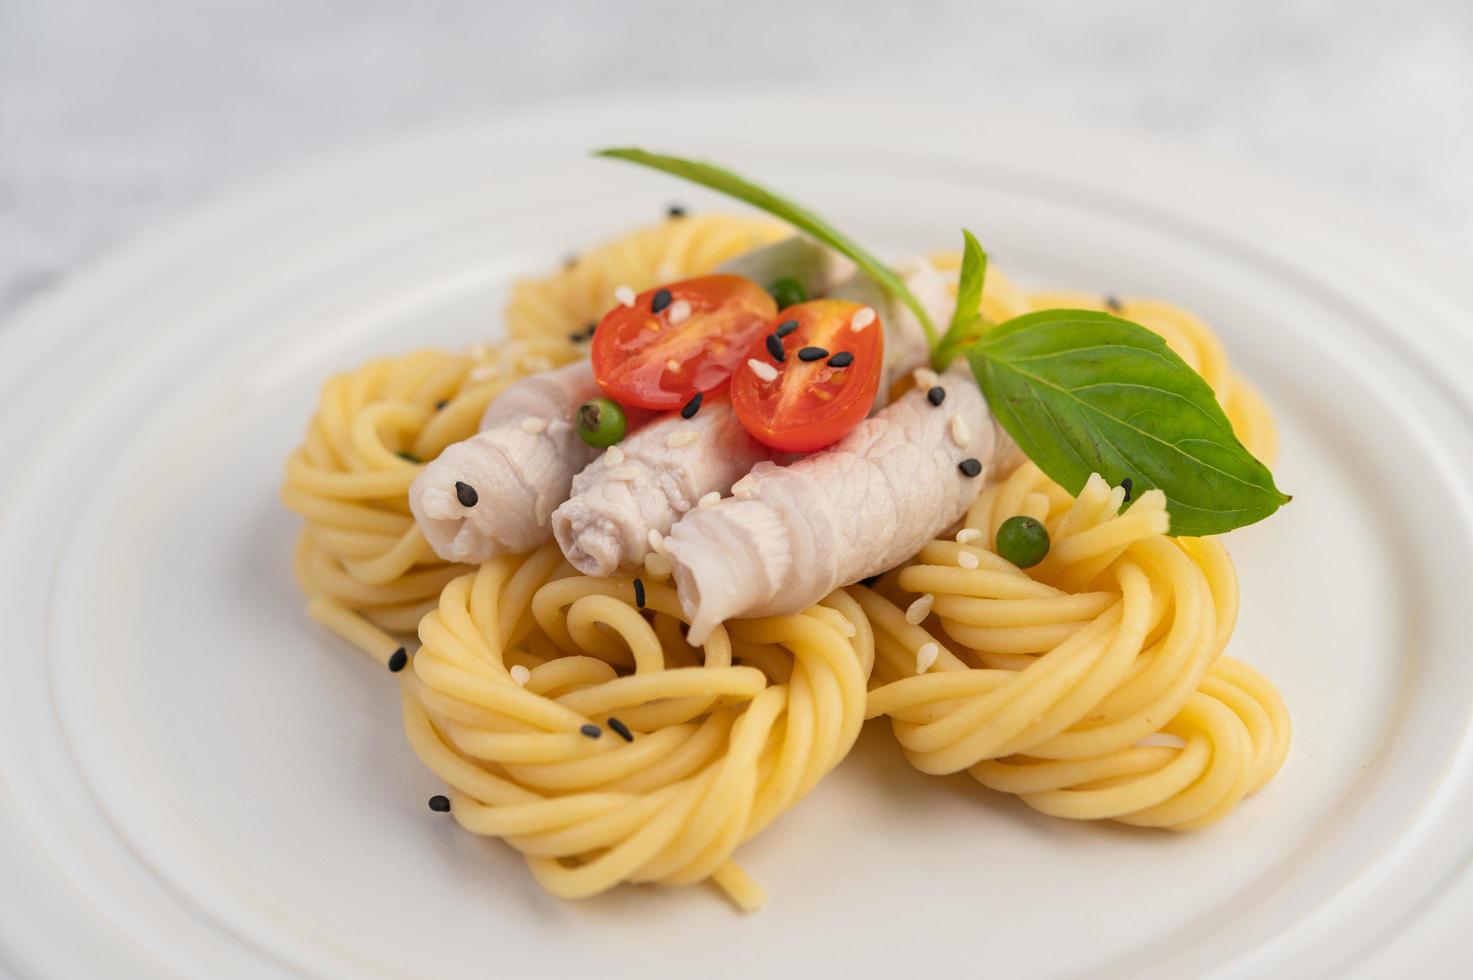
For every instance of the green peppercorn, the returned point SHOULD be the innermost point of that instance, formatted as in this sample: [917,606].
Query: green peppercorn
[601,422]
[1022,541]
[787,292]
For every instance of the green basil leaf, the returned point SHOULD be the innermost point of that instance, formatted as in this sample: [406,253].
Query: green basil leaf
[1083,392]
[722,180]
[966,319]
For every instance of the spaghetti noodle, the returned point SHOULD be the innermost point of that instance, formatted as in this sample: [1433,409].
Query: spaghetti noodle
[625,754]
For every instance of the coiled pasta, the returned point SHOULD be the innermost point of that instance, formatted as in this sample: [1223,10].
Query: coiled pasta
[1045,683]
[1048,683]
[623,754]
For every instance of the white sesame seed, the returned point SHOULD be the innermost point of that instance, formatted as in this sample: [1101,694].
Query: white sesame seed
[684,437]
[862,318]
[744,487]
[679,312]
[967,535]
[960,434]
[624,295]
[917,611]
[484,372]
[709,500]
[926,656]
[672,365]
[520,674]
[926,379]
[624,474]
[557,427]
[657,541]
[532,425]
[763,370]
[657,566]
[613,456]
[967,560]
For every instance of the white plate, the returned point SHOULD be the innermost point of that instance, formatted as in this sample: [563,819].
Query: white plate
[196,781]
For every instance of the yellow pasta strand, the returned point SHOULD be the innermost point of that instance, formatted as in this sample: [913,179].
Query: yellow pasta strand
[721,741]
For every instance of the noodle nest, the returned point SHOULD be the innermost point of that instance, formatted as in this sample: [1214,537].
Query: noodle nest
[569,717]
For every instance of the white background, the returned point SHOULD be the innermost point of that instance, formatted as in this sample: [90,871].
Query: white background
[116,114]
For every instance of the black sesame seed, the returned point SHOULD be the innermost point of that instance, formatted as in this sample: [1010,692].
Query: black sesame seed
[639,593]
[786,327]
[577,338]
[691,407]
[969,467]
[408,457]
[440,405]
[621,729]
[1128,485]
[592,731]
[936,395]
[662,299]
[1113,304]
[440,804]
[675,211]
[466,494]
[591,328]
[775,348]
[841,359]
[812,354]
[398,660]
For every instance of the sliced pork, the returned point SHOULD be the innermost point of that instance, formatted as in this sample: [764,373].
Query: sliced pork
[494,493]
[792,534]
[647,482]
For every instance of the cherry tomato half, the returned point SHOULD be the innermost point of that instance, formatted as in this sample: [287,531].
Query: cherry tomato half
[825,383]
[679,339]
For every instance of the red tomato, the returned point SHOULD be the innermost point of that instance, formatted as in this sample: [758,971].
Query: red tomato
[815,402]
[662,359]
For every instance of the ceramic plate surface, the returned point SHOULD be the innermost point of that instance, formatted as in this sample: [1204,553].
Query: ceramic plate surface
[195,780]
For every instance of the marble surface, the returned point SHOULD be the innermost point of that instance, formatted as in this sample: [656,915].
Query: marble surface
[116,114]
